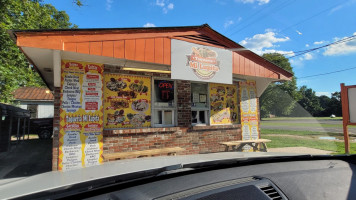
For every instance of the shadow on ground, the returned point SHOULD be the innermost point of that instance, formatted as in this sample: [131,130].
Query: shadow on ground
[30,157]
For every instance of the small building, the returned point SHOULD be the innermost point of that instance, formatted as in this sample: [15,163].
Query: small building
[131,89]
[39,101]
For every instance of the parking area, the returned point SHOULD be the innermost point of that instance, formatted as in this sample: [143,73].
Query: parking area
[28,158]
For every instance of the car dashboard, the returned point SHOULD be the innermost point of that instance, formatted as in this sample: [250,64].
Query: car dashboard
[312,179]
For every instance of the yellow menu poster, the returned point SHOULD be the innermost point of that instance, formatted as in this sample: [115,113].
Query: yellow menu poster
[127,101]
[223,104]
[81,115]
[249,110]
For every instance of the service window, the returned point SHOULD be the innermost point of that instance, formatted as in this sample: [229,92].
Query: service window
[200,104]
[164,103]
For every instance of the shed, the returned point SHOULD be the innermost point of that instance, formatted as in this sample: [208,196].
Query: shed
[131,89]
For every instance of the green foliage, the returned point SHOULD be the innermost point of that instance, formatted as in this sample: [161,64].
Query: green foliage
[15,71]
[309,101]
[279,98]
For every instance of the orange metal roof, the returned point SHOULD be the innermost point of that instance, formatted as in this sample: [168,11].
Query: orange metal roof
[147,45]
[33,93]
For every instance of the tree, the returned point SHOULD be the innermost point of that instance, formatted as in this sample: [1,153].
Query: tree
[279,98]
[15,71]
[309,101]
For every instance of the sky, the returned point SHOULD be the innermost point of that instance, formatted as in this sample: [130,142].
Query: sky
[263,26]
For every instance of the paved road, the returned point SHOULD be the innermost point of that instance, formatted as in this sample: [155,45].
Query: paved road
[317,125]
[30,157]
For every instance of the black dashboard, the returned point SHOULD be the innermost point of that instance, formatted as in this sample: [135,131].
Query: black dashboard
[312,179]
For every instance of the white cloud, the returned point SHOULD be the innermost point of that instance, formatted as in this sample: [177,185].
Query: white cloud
[323,93]
[340,6]
[260,2]
[108,4]
[259,42]
[306,45]
[341,48]
[228,23]
[165,5]
[149,25]
[299,33]
[319,42]
[307,56]
[170,6]
[160,3]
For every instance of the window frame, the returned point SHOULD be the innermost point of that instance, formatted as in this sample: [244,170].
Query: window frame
[155,108]
[207,109]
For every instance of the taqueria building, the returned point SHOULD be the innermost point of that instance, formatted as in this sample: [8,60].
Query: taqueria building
[133,89]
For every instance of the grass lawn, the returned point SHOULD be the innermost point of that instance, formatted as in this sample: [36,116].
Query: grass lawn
[337,147]
[301,133]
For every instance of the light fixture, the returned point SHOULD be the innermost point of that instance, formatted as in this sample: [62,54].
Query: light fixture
[145,70]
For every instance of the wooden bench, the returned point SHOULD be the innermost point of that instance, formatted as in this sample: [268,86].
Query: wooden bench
[239,145]
[145,153]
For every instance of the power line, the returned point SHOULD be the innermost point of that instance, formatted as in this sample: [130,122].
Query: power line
[280,7]
[311,17]
[248,18]
[342,70]
[299,53]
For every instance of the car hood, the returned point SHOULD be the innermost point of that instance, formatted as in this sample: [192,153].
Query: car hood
[57,179]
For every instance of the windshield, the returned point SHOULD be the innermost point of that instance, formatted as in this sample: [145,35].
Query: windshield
[85,83]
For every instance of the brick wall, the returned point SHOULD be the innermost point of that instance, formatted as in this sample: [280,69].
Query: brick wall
[56,120]
[195,140]
[184,103]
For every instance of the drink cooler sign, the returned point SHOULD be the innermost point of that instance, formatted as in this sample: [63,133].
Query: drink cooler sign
[223,104]
[195,62]
[249,112]
[81,115]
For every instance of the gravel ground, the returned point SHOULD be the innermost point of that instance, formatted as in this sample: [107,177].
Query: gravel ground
[300,150]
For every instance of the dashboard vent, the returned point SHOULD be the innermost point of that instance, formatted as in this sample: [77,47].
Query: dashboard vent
[271,192]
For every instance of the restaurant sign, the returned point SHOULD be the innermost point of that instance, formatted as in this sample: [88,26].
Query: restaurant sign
[200,63]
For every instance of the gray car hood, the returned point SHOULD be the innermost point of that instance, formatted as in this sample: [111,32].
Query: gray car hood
[56,179]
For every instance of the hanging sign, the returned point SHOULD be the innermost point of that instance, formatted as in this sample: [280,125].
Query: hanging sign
[81,115]
[195,62]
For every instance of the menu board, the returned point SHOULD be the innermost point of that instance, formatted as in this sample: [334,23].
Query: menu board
[249,111]
[81,115]
[127,101]
[223,104]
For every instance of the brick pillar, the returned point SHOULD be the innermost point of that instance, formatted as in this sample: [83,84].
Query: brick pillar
[184,103]
[56,120]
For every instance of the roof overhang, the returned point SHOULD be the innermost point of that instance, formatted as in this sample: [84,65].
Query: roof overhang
[41,46]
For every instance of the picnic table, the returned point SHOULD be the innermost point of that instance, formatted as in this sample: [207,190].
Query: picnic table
[172,151]
[259,144]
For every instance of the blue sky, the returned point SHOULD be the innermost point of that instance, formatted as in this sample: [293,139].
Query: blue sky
[283,26]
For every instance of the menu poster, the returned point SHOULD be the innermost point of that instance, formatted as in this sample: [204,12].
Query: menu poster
[127,101]
[249,111]
[223,104]
[81,115]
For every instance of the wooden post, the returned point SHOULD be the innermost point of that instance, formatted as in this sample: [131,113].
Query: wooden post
[345,116]
[10,129]
[18,131]
[28,128]
[24,128]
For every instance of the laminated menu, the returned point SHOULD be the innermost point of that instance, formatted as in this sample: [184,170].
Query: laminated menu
[249,110]
[127,101]
[223,104]
[81,115]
